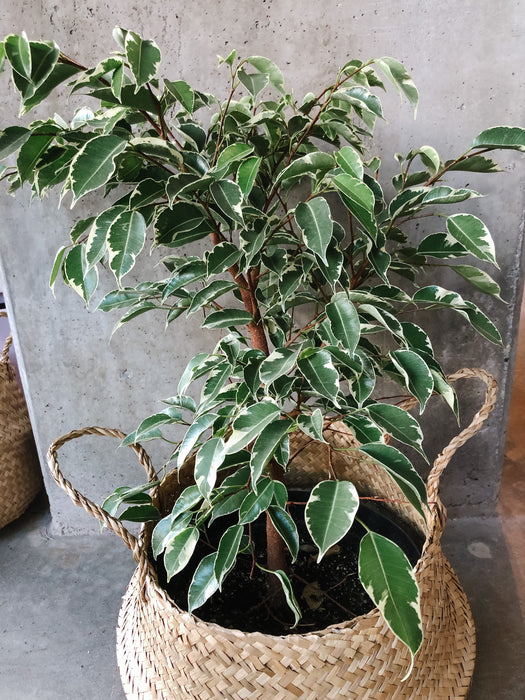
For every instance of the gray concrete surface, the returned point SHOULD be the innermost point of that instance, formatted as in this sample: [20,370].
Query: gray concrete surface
[464,57]
[60,597]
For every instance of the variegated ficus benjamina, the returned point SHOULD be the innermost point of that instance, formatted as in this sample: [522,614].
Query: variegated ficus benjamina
[306,273]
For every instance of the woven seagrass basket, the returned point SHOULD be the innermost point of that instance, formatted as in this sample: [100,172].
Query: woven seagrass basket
[20,476]
[165,653]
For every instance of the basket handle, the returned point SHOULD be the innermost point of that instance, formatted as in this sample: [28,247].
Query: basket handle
[438,513]
[4,358]
[92,508]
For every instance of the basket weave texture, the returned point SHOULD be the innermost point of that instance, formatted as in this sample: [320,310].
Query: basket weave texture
[20,476]
[165,653]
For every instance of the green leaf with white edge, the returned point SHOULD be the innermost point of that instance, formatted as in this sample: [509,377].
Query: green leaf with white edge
[147,192]
[278,363]
[472,233]
[448,195]
[204,582]
[77,273]
[190,497]
[221,257]
[140,514]
[157,148]
[228,505]
[441,245]
[247,173]
[501,137]
[330,513]
[249,423]
[253,82]
[227,552]
[315,221]
[94,164]
[312,424]
[318,369]
[364,98]
[182,401]
[398,75]
[314,165]
[481,323]
[179,551]
[227,318]
[193,434]
[430,158]
[209,293]
[264,65]
[125,240]
[96,243]
[11,139]
[182,92]
[232,154]
[167,528]
[388,578]
[288,592]
[30,153]
[143,57]
[359,199]
[416,374]
[344,321]
[256,502]
[265,446]
[398,423]
[286,527]
[475,164]
[363,428]
[57,266]
[191,367]
[401,470]
[350,161]
[228,197]
[18,53]
[128,494]
[166,417]
[207,461]
[479,279]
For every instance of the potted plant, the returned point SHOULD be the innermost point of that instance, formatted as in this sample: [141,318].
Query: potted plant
[308,270]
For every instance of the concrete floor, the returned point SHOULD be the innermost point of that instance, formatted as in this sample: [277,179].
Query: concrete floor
[60,597]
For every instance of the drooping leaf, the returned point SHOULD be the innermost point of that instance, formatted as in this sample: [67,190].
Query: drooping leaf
[265,446]
[94,164]
[318,369]
[416,374]
[312,424]
[207,460]
[227,552]
[398,75]
[228,197]
[166,529]
[77,273]
[96,243]
[179,551]
[125,239]
[256,502]
[182,92]
[278,363]
[204,582]
[344,321]
[286,527]
[359,199]
[31,151]
[288,593]
[398,423]
[193,434]
[479,279]
[401,470]
[315,221]
[11,138]
[387,577]
[330,513]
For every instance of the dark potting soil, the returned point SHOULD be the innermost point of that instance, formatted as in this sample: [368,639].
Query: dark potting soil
[327,593]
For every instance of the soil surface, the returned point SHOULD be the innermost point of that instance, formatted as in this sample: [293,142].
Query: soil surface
[327,593]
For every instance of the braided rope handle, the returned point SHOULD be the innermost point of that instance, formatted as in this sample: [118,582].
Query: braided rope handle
[4,358]
[438,513]
[92,508]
